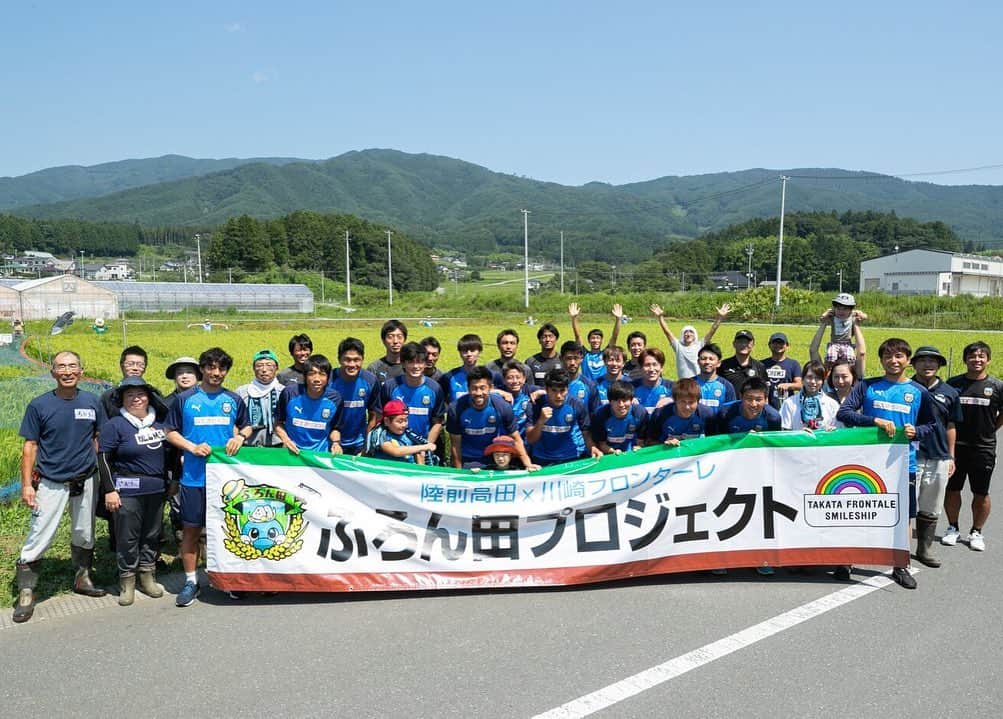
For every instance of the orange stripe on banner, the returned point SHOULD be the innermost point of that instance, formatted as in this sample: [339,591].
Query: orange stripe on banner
[561,576]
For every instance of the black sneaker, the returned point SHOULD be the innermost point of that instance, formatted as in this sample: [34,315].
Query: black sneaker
[904,578]
[842,573]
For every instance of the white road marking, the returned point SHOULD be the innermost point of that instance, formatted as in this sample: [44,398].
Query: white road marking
[661,673]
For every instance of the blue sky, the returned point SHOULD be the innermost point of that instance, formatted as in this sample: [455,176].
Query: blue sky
[568,92]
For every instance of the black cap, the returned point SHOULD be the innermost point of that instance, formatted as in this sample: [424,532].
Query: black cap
[744,335]
[928,351]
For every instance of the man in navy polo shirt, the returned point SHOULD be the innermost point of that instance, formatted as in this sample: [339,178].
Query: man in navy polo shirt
[204,416]
[58,467]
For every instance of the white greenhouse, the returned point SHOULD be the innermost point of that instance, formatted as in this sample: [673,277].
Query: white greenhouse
[177,296]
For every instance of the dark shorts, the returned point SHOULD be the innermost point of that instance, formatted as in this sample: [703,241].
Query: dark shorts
[192,506]
[912,495]
[976,464]
[354,451]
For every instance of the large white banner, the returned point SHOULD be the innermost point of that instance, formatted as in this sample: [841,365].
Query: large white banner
[314,522]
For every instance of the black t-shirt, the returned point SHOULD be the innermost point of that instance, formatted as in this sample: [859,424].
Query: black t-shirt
[981,404]
[539,366]
[738,375]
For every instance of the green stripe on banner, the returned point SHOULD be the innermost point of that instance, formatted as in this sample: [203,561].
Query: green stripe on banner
[689,448]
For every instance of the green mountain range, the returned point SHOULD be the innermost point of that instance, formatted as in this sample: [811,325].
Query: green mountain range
[445,202]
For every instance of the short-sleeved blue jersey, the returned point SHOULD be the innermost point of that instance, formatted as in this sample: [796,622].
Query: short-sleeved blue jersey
[730,420]
[477,428]
[584,390]
[666,423]
[562,438]
[593,366]
[425,403]
[620,433]
[902,403]
[358,397]
[715,392]
[64,430]
[648,397]
[521,405]
[201,417]
[309,422]
[454,383]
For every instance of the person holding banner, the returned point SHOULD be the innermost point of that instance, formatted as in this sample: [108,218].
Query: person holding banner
[393,439]
[684,418]
[359,390]
[893,402]
[558,428]
[204,417]
[422,396]
[752,413]
[308,415]
[620,425]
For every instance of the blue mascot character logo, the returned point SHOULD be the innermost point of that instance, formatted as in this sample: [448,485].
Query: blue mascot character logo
[261,521]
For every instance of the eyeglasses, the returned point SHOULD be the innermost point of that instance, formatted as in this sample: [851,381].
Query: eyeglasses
[137,364]
[71,367]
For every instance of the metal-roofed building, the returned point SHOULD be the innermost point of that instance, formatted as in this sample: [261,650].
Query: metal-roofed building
[933,272]
[49,297]
[175,296]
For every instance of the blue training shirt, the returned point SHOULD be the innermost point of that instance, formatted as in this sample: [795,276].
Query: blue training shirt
[425,402]
[562,438]
[358,397]
[731,421]
[477,428]
[620,433]
[201,417]
[666,423]
[648,397]
[902,403]
[309,422]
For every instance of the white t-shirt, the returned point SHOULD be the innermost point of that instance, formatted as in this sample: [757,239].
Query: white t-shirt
[790,412]
[686,359]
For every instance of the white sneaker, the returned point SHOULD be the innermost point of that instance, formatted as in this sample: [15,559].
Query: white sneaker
[976,541]
[951,537]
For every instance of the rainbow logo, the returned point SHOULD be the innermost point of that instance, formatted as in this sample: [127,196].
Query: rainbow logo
[851,479]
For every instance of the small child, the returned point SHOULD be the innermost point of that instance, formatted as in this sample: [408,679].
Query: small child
[841,319]
[393,440]
[501,452]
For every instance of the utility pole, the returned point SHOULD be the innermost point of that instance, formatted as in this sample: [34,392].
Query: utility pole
[562,262]
[323,299]
[525,245]
[348,274]
[840,273]
[198,250]
[390,269]
[780,246]
[748,275]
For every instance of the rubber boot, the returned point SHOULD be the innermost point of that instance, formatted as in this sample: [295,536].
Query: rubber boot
[926,528]
[148,584]
[126,590]
[82,584]
[27,578]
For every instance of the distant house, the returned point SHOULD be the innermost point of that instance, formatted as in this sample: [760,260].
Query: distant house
[933,272]
[730,280]
[117,270]
[41,263]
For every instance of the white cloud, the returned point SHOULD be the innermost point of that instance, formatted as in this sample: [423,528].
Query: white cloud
[233,27]
[260,77]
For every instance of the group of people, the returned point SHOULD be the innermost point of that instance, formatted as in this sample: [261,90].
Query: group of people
[130,450]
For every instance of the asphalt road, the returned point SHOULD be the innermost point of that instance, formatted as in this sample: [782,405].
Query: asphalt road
[733,646]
